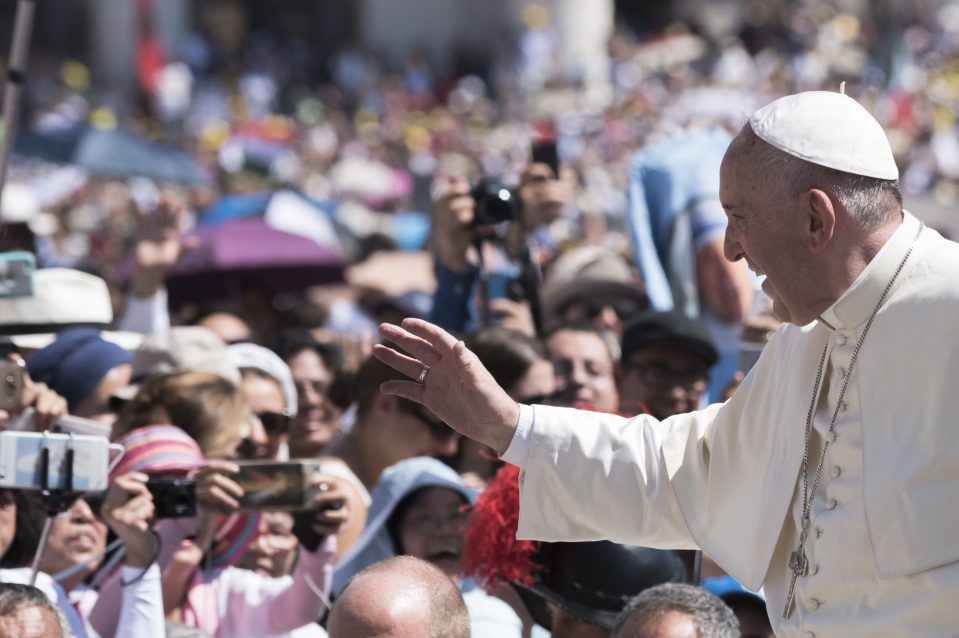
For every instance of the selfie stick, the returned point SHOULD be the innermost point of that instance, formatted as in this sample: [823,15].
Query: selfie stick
[16,75]
[55,500]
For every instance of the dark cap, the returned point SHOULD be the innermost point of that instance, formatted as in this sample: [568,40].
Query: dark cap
[593,581]
[669,327]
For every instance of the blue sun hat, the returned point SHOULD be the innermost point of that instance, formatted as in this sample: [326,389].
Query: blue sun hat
[396,483]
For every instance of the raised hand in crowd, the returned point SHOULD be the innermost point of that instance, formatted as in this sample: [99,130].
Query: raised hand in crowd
[544,194]
[158,244]
[128,510]
[47,405]
[451,232]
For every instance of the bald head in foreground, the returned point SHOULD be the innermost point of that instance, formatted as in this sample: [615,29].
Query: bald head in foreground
[403,597]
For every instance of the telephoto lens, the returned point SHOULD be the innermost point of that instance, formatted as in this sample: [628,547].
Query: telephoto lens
[495,202]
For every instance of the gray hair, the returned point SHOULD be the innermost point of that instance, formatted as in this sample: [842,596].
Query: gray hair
[870,201]
[713,618]
[14,597]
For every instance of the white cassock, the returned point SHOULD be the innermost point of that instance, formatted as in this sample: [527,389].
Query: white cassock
[883,547]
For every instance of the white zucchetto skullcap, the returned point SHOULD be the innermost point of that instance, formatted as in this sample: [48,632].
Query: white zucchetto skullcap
[827,128]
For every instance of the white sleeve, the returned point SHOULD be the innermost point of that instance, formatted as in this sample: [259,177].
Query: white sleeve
[592,476]
[141,613]
[147,315]
[518,451]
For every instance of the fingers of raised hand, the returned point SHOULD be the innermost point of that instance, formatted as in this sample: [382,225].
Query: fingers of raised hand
[400,362]
[417,346]
[440,340]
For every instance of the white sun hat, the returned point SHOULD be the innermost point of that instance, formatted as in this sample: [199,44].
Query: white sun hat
[827,128]
[62,298]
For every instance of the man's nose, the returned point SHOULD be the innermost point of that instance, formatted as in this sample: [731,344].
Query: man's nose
[309,397]
[578,375]
[608,319]
[732,249]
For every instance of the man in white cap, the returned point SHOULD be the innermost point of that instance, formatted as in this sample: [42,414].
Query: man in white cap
[830,477]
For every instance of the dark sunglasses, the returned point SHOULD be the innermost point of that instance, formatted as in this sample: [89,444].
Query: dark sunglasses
[657,375]
[537,399]
[589,309]
[275,422]
[437,427]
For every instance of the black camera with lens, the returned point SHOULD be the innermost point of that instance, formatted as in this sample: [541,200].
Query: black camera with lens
[173,497]
[495,203]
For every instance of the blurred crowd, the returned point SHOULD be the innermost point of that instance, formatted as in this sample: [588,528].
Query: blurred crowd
[209,280]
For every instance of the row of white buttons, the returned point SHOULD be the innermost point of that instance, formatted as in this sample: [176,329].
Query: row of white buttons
[831,504]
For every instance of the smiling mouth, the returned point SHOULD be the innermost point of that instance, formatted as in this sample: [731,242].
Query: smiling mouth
[759,272]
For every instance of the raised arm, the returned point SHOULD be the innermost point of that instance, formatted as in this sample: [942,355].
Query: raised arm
[455,386]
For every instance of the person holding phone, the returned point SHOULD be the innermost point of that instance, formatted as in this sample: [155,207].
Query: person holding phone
[202,585]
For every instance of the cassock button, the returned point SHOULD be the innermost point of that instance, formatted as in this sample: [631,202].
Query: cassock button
[815,603]
[810,634]
[814,570]
[842,373]
[819,532]
[831,504]
[840,340]
[831,437]
[836,471]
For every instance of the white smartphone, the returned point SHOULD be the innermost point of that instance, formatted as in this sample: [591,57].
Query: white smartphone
[21,454]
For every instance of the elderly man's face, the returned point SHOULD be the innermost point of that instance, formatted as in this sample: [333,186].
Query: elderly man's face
[766,229]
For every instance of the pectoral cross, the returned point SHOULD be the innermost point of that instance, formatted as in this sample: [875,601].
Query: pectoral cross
[799,565]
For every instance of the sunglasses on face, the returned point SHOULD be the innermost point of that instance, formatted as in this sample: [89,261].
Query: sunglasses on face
[437,427]
[275,423]
[537,399]
[589,309]
[658,375]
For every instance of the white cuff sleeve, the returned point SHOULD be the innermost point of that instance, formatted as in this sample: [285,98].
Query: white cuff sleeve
[141,612]
[148,315]
[518,451]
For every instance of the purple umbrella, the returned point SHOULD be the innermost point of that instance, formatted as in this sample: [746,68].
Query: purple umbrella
[247,253]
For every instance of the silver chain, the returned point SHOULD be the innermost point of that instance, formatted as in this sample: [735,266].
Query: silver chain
[809,495]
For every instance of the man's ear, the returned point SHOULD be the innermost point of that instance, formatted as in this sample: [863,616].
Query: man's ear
[820,219]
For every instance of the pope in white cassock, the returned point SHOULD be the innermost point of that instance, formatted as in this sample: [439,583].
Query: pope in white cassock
[831,478]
